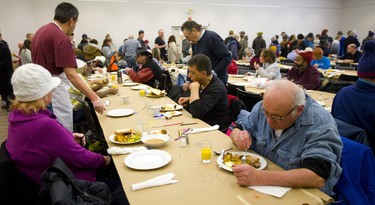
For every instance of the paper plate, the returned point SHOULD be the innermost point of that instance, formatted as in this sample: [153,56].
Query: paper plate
[170,107]
[120,112]
[148,159]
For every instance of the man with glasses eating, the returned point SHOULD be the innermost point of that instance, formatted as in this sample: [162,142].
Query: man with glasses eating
[291,129]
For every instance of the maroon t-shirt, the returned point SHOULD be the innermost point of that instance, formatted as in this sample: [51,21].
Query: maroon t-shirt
[51,48]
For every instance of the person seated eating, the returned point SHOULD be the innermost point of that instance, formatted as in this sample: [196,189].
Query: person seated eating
[149,71]
[270,68]
[320,61]
[355,104]
[36,138]
[295,132]
[303,73]
[352,55]
[208,95]
[249,54]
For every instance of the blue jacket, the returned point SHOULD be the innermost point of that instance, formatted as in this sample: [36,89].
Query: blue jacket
[313,135]
[355,105]
[357,181]
[324,62]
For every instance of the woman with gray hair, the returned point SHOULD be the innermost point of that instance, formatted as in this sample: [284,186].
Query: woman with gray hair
[249,54]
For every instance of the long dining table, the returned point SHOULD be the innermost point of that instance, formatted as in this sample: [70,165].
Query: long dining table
[324,98]
[198,183]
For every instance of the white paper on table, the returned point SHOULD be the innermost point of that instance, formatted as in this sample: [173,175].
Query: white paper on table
[277,191]
[204,129]
[157,181]
[118,150]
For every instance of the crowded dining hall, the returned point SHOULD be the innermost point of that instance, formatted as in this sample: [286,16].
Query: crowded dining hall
[132,102]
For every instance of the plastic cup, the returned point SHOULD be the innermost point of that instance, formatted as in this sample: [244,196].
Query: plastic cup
[143,125]
[126,99]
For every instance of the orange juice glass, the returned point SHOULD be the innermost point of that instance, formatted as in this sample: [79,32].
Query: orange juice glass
[206,151]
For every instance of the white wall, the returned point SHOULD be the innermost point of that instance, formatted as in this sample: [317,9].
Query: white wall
[358,15]
[120,17]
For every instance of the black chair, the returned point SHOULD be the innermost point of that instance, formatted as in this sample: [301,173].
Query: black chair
[334,86]
[232,89]
[249,98]
[15,187]
[168,81]
[235,108]
[352,132]
[344,66]
[345,77]
[160,82]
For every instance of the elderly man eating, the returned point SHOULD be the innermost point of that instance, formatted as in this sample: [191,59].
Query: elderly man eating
[295,132]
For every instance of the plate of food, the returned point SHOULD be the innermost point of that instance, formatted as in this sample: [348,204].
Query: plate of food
[170,107]
[175,113]
[231,158]
[120,112]
[126,136]
[155,93]
[130,84]
[148,159]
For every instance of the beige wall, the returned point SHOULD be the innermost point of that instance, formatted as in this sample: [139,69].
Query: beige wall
[121,18]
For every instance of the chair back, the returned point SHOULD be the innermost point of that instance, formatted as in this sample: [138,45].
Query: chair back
[249,98]
[232,89]
[352,132]
[344,66]
[235,107]
[345,77]
[357,181]
[15,187]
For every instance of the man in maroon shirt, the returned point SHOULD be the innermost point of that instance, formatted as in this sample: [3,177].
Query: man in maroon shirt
[52,49]
[304,74]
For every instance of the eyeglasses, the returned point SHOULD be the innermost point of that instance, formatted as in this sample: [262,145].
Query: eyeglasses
[277,118]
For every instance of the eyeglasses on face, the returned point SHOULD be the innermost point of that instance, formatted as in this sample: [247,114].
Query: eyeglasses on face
[277,118]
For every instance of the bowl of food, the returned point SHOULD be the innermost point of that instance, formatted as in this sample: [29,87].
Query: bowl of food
[155,140]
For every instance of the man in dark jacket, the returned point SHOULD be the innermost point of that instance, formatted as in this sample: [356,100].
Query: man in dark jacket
[210,44]
[6,68]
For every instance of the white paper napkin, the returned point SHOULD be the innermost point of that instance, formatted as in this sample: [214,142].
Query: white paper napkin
[277,191]
[204,129]
[118,150]
[157,181]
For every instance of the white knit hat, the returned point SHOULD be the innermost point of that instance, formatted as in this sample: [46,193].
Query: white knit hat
[32,82]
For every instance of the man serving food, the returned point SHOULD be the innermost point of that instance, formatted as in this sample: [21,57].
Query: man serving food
[291,129]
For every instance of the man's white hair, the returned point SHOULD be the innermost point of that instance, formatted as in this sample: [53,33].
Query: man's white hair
[296,92]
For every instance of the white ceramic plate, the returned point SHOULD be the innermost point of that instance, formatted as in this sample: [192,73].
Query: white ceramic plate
[236,76]
[139,87]
[120,112]
[170,107]
[130,84]
[148,159]
[112,139]
[321,103]
[263,162]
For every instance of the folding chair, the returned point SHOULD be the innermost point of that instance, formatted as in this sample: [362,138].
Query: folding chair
[249,98]
[232,89]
